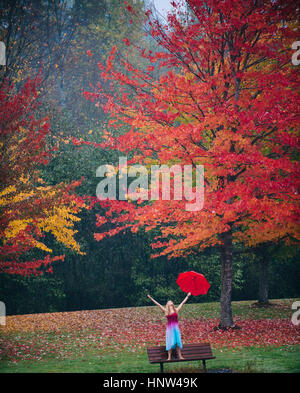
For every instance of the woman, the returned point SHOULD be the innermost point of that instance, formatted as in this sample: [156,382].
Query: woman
[173,337]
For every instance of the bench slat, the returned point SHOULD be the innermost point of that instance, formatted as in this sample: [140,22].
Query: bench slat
[160,350]
[162,356]
[185,347]
[164,359]
[178,360]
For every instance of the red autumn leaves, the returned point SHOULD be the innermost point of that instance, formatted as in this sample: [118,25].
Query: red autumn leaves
[131,329]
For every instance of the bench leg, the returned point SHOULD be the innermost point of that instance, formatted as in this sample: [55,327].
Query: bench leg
[204,365]
[161,367]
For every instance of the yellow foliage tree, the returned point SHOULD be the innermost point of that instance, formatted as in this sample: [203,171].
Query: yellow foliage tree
[29,207]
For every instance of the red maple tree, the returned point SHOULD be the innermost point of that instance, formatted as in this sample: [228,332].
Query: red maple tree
[227,99]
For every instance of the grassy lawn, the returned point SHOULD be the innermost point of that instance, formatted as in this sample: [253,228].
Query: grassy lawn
[283,359]
[29,344]
[280,308]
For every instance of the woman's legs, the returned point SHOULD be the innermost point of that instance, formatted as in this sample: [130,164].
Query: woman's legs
[179,353]
[169,354]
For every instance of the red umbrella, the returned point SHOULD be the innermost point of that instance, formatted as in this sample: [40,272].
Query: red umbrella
[193,282]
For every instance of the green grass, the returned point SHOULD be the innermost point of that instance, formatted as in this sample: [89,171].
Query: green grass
[284,359]
[89,359]
[280,308]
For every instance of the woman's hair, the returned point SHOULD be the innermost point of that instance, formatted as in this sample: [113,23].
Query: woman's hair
[170,306]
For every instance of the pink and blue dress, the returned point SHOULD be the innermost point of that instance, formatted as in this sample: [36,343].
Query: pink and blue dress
[173,336]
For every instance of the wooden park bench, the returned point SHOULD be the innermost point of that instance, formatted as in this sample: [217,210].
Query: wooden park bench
[190,352]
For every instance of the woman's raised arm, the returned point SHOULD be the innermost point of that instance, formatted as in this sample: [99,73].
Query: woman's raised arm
[182,303]
[159,305]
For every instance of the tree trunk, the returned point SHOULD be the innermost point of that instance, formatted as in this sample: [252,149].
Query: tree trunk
[263,288]
[226,320]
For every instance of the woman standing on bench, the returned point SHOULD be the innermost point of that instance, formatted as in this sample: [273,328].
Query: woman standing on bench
[173,336]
